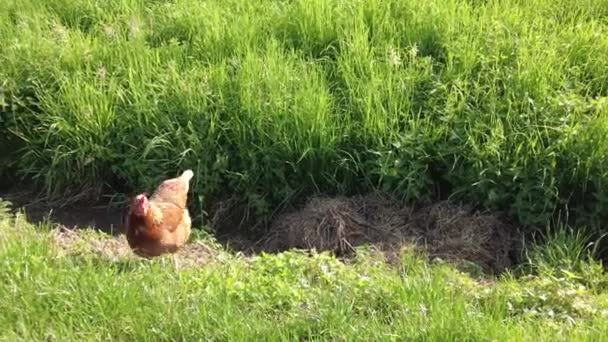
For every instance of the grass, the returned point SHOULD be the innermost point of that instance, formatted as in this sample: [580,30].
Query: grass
[48,294]
[502,104]
[498,103]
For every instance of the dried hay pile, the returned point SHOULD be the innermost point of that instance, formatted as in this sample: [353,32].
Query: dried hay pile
[443,230]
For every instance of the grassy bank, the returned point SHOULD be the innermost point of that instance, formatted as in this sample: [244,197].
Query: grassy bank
[73,292]
[501,103]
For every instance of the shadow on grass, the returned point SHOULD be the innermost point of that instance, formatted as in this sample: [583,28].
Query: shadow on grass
[99,216]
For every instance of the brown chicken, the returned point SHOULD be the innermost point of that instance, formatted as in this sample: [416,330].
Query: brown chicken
[160,224]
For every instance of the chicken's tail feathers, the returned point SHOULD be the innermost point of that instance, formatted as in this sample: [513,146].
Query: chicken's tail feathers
[187,175]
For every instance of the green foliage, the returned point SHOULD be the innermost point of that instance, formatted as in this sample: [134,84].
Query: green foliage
[565,253]
[502,104]
[561,300]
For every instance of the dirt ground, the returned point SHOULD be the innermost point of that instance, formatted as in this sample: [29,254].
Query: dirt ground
[97,215]
[442,230]
[79,242]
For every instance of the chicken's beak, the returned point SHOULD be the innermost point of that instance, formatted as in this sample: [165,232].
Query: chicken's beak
[140,205]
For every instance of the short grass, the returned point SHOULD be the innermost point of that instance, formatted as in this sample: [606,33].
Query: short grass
[47,294]
[499,103]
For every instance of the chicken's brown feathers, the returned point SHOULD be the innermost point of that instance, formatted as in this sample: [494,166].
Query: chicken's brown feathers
[165,227]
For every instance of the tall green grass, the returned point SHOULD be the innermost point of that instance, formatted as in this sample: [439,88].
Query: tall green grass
[46,294]
[499,103]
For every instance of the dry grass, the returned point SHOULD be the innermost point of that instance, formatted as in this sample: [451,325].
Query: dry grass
[116,249]
[445,230]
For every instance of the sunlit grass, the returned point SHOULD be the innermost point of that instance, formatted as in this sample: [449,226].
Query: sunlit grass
[500,103]
[49,294]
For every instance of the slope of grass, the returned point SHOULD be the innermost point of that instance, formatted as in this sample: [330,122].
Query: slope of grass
[500,103]
[50,295]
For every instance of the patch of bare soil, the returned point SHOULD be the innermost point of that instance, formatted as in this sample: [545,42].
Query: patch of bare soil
[116,249]
[96,215]
[443,230]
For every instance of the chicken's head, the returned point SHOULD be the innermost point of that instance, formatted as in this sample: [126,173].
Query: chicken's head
[141,205]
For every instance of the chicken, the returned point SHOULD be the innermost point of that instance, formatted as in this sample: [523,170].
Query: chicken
[160,224]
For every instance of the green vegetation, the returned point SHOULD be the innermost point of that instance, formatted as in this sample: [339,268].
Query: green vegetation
[498,103]
[48,294]
[501,104]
